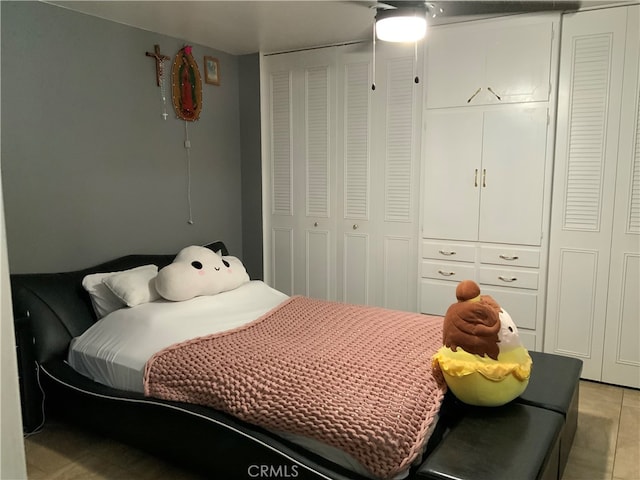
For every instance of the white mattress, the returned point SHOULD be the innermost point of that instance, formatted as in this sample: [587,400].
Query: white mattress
[115,349]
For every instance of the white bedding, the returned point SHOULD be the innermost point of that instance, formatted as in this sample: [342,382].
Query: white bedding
[134,334]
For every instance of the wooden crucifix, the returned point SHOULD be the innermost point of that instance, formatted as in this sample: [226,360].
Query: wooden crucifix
[159,62]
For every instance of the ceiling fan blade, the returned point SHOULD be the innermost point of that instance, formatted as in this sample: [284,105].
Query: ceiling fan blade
[448,8]
[470,7]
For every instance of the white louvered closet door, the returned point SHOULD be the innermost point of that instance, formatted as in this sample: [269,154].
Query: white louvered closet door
[621,364]
[301,104]
[378,144]
[356,235]
[399,133]
[593,265]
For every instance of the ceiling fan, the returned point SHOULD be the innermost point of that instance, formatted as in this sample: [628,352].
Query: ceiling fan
[406,21]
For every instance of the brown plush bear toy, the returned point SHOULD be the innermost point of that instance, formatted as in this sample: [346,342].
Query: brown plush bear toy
[482,359]
[473,322]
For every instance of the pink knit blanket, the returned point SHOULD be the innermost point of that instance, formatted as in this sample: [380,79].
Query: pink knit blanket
[357,378]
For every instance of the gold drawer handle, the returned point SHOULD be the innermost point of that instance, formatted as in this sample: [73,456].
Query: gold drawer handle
[446,274]
[448,253]
[507,279]
[509,257]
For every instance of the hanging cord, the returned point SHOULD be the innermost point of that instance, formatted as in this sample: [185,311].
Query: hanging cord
[39,428]
[416,79]
[373,63]
[187,146]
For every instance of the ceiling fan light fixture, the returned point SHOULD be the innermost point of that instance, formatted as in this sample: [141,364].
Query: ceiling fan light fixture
[401,24]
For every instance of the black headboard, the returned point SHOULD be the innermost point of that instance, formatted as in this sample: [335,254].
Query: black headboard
[58,308]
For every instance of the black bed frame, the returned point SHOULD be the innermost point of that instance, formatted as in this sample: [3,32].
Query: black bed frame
[529,438]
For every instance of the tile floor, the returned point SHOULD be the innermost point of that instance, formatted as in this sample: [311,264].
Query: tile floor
[607,442]
[606,446]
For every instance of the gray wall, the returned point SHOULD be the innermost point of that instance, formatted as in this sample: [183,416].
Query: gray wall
[90,170]
[251,165]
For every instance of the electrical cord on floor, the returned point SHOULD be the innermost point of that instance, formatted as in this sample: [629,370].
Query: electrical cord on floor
[40,427]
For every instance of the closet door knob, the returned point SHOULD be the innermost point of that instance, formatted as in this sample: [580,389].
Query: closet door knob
[484,177]
[355,226]
[475,178]
[315,224]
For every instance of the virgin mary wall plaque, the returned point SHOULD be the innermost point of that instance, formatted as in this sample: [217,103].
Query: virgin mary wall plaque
[186,86]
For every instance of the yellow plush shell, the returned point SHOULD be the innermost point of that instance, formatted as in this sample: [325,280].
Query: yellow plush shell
[516,362]
[481,380]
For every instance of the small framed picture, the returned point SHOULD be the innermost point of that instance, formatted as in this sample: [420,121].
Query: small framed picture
[211,70]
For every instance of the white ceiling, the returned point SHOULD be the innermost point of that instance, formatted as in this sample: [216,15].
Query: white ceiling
[240,27]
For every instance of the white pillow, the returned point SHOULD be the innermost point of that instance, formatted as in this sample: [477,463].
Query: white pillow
[104,301]
[134,287]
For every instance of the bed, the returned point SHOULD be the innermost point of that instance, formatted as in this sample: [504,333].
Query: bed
[56,323]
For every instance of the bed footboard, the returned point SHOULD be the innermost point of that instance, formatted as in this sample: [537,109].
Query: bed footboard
[201,439]
[509,442]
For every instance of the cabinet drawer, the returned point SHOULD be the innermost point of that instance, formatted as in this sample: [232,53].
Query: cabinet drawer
[436,296]
[451,271]
[506,277]
[528,339]
[448,251]
[506,255]
[521,304]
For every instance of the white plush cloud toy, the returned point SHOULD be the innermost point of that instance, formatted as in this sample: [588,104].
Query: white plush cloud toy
[198,271]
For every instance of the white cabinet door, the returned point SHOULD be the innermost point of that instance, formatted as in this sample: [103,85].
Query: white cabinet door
[455,65]
[512,179]
[490,62]
[517,61]
[484,174]
[452,174]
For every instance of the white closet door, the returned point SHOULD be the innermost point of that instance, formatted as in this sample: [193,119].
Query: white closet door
[591,66]
[317,255]
[354,182]
[283,222]
[621,364]
[302,117]
[512,178]
[378,144]
[402,106]
[452,174]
